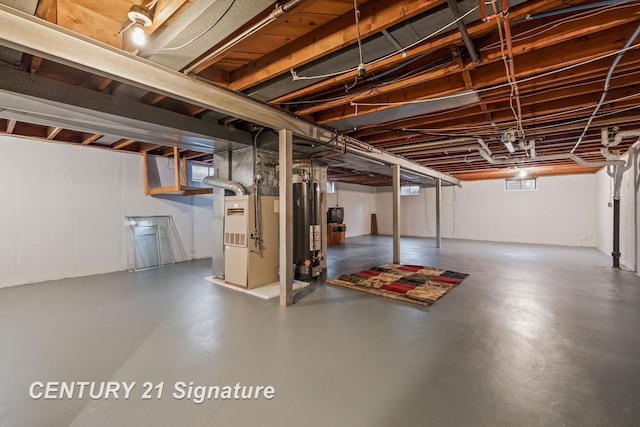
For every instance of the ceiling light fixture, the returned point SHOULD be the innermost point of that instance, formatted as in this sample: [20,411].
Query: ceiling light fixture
[140,18]
[523,173]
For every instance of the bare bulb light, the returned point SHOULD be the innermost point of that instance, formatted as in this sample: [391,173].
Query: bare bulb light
[141,18]
[138,36]
[522,173]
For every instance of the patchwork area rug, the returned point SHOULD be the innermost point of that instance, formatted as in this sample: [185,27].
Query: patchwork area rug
[412,283]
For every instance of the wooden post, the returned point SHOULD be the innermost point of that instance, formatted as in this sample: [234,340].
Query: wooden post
[286,217]
[396,214]
[176,167]
[145,172]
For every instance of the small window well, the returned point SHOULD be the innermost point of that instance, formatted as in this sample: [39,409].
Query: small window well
[331,187]
[410,190]
[199,172]
[527,184]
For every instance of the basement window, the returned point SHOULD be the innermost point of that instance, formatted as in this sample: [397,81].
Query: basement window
[331,187]
[198,172]
[527,184]
[410,190]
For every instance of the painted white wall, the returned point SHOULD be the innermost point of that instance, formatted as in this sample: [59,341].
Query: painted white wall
[63,207]
[560,212]
[358,202]
[605,217]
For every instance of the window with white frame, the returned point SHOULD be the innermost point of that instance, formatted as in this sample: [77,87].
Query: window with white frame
[527,184]
[410,190]
[331,187]
[198,172]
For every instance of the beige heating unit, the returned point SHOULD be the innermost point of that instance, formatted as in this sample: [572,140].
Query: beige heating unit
[244,263]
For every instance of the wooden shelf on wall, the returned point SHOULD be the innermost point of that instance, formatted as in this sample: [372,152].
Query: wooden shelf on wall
[180,179]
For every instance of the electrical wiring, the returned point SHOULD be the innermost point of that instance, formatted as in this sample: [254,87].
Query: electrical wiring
[526,79]
[424,38]
[575,85]
[635,34]
[537,31]
[511,79]
[429,68]
[296,77]
[544,127]
[187,43]
[357,13]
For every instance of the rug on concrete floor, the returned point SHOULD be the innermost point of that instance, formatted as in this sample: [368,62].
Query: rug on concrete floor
[412,283]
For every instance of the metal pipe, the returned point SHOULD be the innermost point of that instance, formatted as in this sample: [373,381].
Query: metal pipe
[567,156]
[275,14]
[484,145]
[431,144]
[619,136]
[233,186]
[616,232]
[468,42]
[606,86]
[575,8]
[617,174]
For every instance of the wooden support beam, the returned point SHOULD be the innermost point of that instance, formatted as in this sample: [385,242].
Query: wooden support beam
[152,98]
[519,12]
[47,10]
[531,63]
[147,146]
[89,138]
[176,168]
[183,171]
[169,151]
[81,19]
[35,64]
[145,172]
[375,15]
[118,145]
[164,10]
[191,154]
[163,190]
[568,169]
[11,125]
[52,132]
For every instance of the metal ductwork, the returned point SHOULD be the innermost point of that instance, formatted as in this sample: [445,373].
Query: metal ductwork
[279,11]
[466,38]
[232,186]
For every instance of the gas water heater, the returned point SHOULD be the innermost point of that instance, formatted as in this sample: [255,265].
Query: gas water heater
[307,232]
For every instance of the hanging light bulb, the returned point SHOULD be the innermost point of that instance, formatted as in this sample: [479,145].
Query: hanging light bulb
[138,36]
[141,18]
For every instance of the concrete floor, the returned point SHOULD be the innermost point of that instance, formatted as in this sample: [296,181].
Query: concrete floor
[536,336]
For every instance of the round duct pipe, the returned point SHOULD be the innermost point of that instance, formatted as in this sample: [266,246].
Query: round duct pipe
[233,186]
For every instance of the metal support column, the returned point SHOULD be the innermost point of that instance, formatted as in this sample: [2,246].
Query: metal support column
[438,197]
[636,211]
[396,214]
[616,232]
[286,217]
